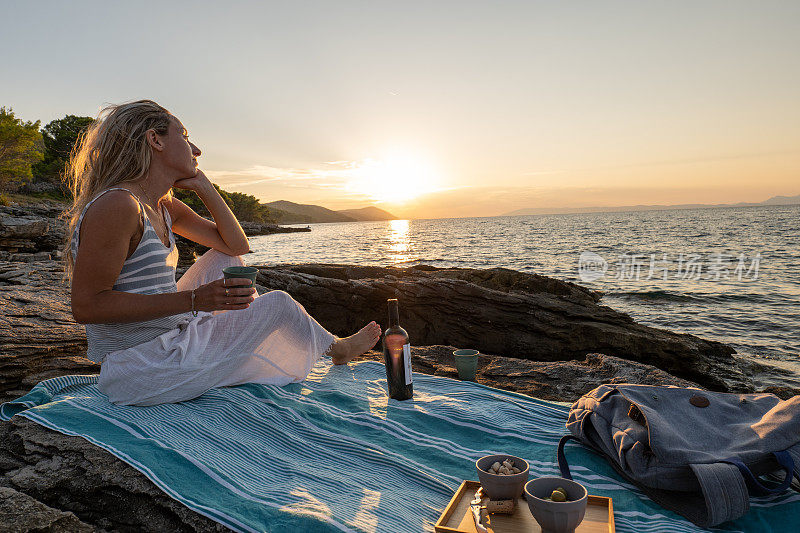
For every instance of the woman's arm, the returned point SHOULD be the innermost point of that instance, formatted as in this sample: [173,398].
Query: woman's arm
[105,235]
[223,234]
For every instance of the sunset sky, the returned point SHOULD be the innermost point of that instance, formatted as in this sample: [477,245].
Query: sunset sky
[438,109]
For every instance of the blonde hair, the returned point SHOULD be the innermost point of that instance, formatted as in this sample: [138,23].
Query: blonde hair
[112,150]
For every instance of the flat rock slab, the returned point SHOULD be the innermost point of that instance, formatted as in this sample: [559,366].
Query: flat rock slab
[21,513]
[28,227]
[39,339]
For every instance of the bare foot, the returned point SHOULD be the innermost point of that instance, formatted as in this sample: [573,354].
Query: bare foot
[344,350]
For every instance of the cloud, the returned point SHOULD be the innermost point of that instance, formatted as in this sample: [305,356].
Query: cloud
[286,177]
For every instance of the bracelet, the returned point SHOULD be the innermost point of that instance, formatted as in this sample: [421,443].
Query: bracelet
[194,313]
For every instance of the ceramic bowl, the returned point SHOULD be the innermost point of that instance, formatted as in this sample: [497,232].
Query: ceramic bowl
[498,486]
[556,517]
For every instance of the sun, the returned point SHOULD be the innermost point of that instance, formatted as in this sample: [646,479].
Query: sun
[394,179]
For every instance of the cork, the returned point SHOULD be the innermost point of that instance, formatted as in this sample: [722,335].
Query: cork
[501,506]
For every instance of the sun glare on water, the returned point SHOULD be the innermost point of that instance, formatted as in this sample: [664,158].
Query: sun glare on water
[395,179]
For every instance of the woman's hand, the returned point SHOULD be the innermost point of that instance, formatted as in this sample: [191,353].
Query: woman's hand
[197,183]
[224,295]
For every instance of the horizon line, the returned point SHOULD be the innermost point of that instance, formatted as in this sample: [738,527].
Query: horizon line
[576,210]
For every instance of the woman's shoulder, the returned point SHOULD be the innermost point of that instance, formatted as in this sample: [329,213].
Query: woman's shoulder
[112,200]
[116,209]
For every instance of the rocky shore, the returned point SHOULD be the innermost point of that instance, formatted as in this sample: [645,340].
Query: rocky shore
[541,336]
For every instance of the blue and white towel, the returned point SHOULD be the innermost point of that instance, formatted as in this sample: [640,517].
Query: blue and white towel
[335,454]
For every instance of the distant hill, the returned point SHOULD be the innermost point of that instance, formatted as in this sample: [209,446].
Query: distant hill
[775,200]
[368,213]
[782,200]
[299,213]
[292,213]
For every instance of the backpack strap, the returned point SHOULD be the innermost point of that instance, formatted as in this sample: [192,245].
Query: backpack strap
[787,464]
[724,491]
[562,460]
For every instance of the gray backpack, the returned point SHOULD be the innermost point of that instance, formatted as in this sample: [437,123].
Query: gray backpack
[696,452]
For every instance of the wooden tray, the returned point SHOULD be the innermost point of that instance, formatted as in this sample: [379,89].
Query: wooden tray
[457,517]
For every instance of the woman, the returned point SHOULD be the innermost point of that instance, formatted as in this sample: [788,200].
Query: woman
[160,341]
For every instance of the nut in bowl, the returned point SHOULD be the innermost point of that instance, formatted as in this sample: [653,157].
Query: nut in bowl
[557,503]
[506,480]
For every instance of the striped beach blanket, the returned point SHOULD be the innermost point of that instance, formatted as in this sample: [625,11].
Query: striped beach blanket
[334,454]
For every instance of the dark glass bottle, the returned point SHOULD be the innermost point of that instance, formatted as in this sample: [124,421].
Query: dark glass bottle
[397,356]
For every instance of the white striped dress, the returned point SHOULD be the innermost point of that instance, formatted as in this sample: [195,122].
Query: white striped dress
[179,357]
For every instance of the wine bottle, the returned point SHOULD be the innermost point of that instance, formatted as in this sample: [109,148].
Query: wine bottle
[397,356]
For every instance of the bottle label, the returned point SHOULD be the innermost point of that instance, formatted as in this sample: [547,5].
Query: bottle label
[407,363]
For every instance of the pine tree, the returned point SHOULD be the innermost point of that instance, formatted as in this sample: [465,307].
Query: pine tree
[21,146]
[59,137]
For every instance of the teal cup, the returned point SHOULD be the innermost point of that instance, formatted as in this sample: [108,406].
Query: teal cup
[241,272]
[466,363]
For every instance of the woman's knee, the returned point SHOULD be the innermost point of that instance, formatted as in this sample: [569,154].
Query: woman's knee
[281,298]
[279,295]
[218,257]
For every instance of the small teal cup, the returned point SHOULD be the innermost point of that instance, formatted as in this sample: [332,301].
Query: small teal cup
[241,272]
[466,363]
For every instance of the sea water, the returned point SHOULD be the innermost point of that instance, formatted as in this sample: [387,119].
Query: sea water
[725,274]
